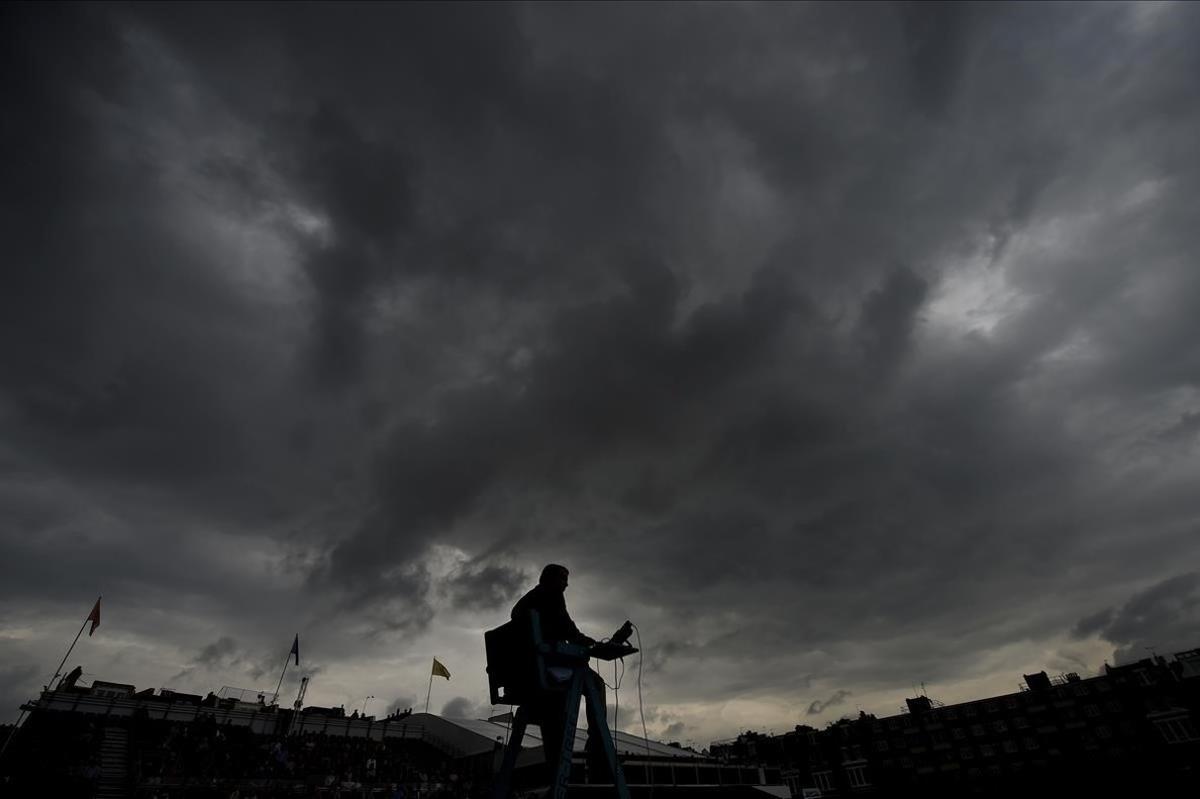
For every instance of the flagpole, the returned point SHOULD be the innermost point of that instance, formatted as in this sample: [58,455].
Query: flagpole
[275,698]
[430,691]
[16,727]
[279,684]
[58,671]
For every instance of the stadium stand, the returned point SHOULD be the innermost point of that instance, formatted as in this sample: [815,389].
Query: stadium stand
[111,740]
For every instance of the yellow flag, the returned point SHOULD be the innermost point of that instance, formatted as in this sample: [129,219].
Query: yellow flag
[439,670]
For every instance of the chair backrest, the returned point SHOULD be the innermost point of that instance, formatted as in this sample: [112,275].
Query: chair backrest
[516,665]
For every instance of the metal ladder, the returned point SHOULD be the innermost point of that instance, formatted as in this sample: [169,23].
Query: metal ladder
[597,715]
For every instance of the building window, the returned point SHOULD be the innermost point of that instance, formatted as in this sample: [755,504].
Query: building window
[1000,726]
[1011,702]
[1175,731]
[823,780]
[1020,723]
[987,750]
[977,730]
[1010,747]
[969,711]
[1112,706]
[966,753]
[857,776]
[1091,711]
[1031,743]
[881,746]
[1103,732]
[950,713]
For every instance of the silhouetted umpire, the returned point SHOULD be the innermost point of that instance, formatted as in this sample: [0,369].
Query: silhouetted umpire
[556,625]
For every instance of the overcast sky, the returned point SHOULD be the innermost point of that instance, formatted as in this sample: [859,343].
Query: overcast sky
[841,348]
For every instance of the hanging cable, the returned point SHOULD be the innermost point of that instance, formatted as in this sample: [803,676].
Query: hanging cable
[617,694]
[642,713]
[615,687]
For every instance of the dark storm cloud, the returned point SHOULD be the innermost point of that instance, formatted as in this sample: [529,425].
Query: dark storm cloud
[1161,618]
[225,657]
[1090,625]
[221,655]
[21,681]
[462,708]
[484,586]
[114,329]
[936,40]
[826,342]
[613,374]
[889,317]
[1186,428]
[673,731]
[363,187]
[819,706]
[216,653]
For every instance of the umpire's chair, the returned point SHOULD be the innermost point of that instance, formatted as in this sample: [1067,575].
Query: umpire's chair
[519,667]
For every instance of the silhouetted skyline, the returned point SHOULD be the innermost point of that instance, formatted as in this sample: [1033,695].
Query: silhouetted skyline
[841,347]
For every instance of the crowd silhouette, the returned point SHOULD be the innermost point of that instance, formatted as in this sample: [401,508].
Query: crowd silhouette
[61,756]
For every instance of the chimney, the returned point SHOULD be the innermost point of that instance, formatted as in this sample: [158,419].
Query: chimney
[1037,682]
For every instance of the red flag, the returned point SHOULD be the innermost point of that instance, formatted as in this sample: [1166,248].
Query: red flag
[94,617]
